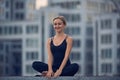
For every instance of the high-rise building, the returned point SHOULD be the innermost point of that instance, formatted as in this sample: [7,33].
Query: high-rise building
[107,44]
[28,38]
[17,10]
[20,45]
[20,37]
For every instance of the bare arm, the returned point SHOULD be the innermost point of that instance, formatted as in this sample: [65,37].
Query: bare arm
[50,59]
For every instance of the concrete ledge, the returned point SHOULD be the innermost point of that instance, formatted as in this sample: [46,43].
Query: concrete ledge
[60,78]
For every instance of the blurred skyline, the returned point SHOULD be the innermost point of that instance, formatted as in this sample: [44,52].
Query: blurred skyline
[93,24]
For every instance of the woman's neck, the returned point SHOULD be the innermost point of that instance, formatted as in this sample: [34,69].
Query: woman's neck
[60,34]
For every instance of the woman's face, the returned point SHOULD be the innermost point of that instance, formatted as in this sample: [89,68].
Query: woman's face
[58,25]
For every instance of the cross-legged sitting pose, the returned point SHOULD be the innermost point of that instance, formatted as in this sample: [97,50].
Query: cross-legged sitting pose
[59,48]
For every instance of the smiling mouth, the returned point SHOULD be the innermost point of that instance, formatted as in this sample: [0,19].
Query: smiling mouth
[57,27]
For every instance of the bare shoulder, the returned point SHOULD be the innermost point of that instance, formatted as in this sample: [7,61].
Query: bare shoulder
[49,40]
[69,39]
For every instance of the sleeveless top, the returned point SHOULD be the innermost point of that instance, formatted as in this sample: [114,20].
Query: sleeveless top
[58,53]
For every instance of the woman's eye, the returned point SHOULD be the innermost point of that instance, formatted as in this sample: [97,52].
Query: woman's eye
[55,24]
[59,23]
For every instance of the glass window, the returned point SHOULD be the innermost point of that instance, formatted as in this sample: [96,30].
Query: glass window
[19,5]
[74,30]
[7,48]
[118,38]
[75,56]
[17,57]
[72,17]
[1,30]
[2,11]
[118,53]
[1,58]
[106,24]
[10,30]
[7,70]
[102,7]
[91,5]
[29,69]
[31,55]
[19,16]
[106,53]
[32,43]
[5,30]
[77,30]
[68,5]
[1,69]
[7,4]
[106,68]
[89,31]
[89,56]
[106,39]
[16,46]
[89,43]
[118,23]
[7,15]
[89,69]
[102,25]
[118,68]
[76,43]
[20,30]
[15,29]
[1,46]
[32,29]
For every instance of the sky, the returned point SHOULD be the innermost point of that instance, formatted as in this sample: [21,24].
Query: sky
[40,3]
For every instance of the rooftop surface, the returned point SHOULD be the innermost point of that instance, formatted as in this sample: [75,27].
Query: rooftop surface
[59,78]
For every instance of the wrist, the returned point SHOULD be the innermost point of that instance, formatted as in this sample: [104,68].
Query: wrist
[60,69]
[50,70]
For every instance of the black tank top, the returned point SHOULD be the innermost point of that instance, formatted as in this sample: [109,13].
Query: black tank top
[58,53]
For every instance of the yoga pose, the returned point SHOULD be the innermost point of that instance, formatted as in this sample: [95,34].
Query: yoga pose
[59,48]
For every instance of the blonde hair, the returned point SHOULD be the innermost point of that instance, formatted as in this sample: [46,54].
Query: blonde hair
[61,18]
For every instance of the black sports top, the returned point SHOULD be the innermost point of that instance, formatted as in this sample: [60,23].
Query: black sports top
[58,53]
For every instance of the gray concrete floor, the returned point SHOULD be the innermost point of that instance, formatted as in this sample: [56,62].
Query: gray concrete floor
[59,78]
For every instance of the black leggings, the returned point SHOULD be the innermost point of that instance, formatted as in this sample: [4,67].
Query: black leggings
[70,70]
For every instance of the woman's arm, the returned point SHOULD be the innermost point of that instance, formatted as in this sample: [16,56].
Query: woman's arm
[50,59]
[67,53]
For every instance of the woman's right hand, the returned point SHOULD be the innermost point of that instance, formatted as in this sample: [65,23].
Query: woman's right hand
[50,74]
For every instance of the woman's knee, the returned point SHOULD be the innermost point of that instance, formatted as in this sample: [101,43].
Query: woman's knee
[35,64]
[76,66]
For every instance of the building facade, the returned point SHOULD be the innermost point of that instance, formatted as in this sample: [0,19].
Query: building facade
[107,45]
[28,38]
[20,45]
[18,22]
[17,10]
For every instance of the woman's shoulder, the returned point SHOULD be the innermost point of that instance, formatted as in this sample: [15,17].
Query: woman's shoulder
[49,39]
[69,38]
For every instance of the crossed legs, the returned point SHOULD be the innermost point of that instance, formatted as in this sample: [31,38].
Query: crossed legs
[70,70]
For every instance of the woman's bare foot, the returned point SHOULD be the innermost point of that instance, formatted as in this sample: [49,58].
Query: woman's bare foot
[44,73]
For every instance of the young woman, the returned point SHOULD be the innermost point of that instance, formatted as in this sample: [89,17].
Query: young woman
[59,48]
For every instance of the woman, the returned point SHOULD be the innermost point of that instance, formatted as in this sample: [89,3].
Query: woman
[59,48]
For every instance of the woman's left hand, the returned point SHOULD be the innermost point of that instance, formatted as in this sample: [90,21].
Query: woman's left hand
[57,73]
